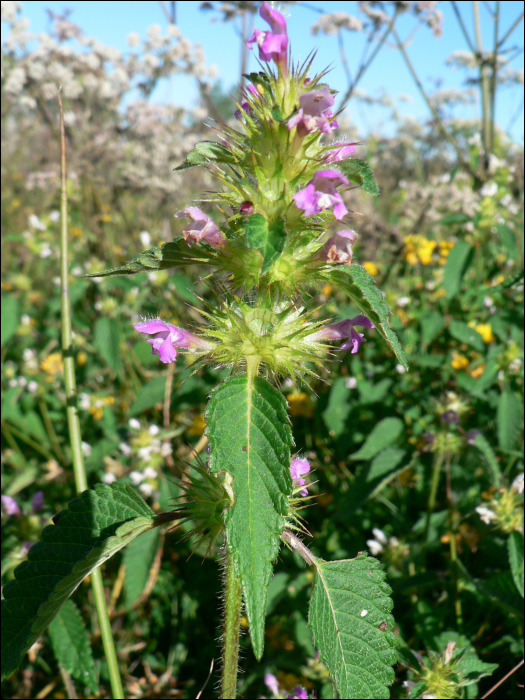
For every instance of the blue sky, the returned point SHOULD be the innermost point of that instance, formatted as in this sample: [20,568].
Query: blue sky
[111,23]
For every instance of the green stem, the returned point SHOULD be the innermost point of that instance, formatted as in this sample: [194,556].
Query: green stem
[232,626]
[51,431]
[72,416]
[434,483]
[485,112]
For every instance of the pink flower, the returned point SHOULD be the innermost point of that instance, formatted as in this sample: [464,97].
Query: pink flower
[338,248]
[320,194]
[341,153]
[203,228]
[245,106]
[298,468]
[301,694]
[314,114]
[168,337]
[345,329]
[10,506]
[272,684]
[272,44]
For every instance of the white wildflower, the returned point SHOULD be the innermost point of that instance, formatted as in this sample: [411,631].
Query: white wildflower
[150,473]
[35,222]
[486,514]
[126,449]
[145,239]
[517,484]
[136,477]
[134,424]
[154,430]
[489,189]
[146,489]
[108,478]
[133,39]
[350,382]
[403,301]
[86,449]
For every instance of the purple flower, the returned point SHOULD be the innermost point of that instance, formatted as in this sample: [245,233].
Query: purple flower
[345,329]
[320,194]
[168,337]
[314,114]
[341,153]
[26,546]
[338,248]
[272,684]
[203,228]
[245,106]
[450,417]
[246,208]
[38,502]
[301,694]
[10,506]
[272,44]
[471,436]
[298,468]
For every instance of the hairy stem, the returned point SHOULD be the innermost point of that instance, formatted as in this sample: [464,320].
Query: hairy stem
[232,625]
[72,415]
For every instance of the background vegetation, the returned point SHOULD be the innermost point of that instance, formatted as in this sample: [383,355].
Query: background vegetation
[421,468]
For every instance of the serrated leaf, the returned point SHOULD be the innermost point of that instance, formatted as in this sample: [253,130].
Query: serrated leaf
[71,645]
[471,669]
[10,316]
[208,152]
[352,626]
[268,238]
[138,558]
[337,411]
[107,342]
[360,287]
[384,433]
[462,332]
[93,529]
[510,413]
[515,545]
[457,264]
[250,437]
[173,254]
[359,171]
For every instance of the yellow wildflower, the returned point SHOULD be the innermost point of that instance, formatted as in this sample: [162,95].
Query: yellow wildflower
[371,268]
[327,290]
[485,331]
[82,358]
[300,404]
[459,361]
[198,425]
[478,371]
[75,231]
[97,406]
[418,249]
[106,218]
[15,203]
[53,363]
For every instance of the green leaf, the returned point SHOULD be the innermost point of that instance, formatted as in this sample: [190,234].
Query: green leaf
[71,645]
[509,240]
[384,433]
[372,393]
[432,324]
[361,289]
[10,316]
[385,462]
[95,526]
[336,413]
[352,626]
[457,264]
[173,254]
[510,413]
[250,437]
[268,238]
[515,546]
[149,395]
[359,171]
[481,442]
[107,342]
[455,218]
[138,559]
[460,331]
[208,152]
[471,669]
